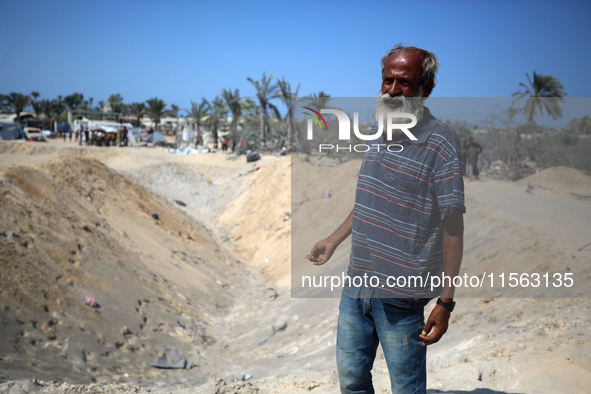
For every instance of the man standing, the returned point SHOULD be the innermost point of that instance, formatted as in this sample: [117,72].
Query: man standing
[407,223]
[471,156]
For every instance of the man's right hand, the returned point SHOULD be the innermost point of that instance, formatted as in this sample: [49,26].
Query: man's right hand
[322,252]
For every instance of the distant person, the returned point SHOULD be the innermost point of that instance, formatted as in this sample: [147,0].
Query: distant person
[124,136]
[465,146]
[471,155]
[407,219]
[86,133]
[224,146]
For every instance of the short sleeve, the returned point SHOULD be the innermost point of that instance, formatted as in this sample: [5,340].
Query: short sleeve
[449,182]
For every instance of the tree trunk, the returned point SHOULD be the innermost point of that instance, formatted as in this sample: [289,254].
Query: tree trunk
[263,124]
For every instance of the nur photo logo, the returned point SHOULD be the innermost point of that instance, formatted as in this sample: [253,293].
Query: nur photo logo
[394,121]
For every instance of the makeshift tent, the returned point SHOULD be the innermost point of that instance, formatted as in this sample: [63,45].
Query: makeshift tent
[64,126]
[10,130]
[155,137]
[134,135]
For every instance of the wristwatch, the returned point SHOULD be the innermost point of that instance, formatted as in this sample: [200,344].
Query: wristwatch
[448,306]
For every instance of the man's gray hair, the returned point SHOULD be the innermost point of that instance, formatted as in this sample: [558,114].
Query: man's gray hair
[430,63]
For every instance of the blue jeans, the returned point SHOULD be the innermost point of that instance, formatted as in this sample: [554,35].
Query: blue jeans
[364,322]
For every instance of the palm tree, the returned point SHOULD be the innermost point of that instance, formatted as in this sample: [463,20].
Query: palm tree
[318,101]
[197,113]
[289,99]
[3,103]
[17,103]
[217,112]
[36,104]
[116,103]
[174,110]
[138,110]
[74,100]
[57,107]
[265,92]
[233,102]
[156,109]
[46,108]
[543,93]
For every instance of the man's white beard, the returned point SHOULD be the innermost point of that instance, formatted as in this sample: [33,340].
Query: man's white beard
[413,105]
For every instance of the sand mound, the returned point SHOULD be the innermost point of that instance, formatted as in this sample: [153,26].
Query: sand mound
[560,179]
[74,228]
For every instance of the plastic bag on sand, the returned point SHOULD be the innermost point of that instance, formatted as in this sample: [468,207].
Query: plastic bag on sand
[91,302]
[172,359]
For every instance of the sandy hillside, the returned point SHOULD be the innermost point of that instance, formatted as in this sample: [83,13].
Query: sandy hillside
[194,253]
[562,180]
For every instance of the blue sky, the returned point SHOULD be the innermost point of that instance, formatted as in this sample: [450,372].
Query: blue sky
[185,50]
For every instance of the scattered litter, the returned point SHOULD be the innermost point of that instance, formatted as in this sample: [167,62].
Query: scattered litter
[208,180]
[287,216]
[91,302]
[126,331]
[326,196]
[251,171]
[13,186]
[252,156]
[10,235]
[171,359]
[182,204]
[266,261]
[273,293]
[185,150]
[126,375]
[155,216]
[246,376]
[282,327]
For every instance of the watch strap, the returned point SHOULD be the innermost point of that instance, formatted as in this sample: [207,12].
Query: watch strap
[446,305]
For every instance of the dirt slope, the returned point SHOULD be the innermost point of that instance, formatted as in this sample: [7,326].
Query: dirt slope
[72,227]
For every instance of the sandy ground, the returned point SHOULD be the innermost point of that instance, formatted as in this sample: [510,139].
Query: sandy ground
[194,253]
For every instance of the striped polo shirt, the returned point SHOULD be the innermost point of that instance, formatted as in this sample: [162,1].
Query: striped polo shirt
[400,203]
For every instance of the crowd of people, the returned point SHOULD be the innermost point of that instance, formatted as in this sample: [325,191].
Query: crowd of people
[98,137]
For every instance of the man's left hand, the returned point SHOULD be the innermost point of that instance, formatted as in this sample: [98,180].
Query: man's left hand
[436,326]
